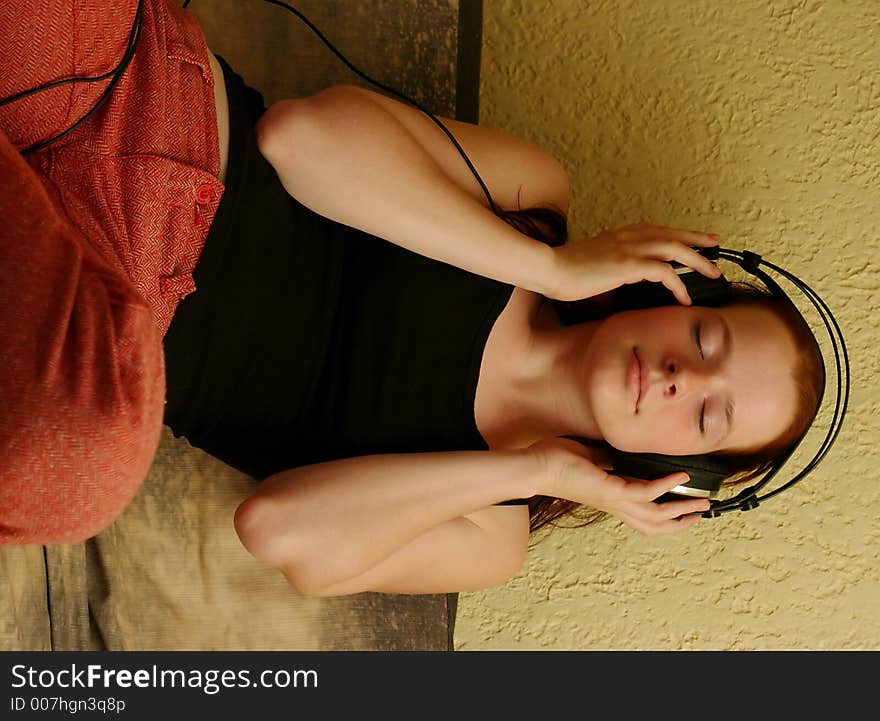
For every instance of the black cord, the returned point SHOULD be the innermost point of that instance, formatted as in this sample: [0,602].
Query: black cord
[116,73]
[49,599]
[134,37]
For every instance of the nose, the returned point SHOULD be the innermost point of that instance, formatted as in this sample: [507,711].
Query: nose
[681,380]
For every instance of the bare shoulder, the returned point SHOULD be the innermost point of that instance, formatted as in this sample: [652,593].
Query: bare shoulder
[221,106]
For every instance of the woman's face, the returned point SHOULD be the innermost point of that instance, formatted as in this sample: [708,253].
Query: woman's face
[683,380]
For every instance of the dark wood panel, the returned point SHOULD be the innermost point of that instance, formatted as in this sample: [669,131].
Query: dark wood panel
[410,45]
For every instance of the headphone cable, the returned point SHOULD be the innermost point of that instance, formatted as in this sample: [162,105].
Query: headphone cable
[116,73]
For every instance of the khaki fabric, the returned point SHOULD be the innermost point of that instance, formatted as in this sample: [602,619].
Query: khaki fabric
[171,573]
[24,611]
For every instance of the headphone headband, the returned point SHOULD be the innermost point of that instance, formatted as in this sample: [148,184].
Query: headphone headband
[748,499]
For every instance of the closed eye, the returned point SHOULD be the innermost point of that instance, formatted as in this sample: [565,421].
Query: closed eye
[698,338]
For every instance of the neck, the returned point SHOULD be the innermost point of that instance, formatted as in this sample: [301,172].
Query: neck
[546,393]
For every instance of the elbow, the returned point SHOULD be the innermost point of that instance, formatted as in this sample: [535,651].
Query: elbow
[304,584]
[257,526]
[285,125]
[277,127]
[247,522]
[301,123]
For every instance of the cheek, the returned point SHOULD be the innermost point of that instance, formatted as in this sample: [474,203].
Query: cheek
[673,434]
[666,433]
[603,394]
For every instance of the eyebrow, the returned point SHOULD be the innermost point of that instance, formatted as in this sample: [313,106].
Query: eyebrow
[728,413]
[727,349]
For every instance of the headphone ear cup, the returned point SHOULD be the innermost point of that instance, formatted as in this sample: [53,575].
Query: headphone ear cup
[706,472]
[646,294]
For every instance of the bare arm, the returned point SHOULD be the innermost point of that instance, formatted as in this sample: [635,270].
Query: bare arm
[378,165]
[405,523]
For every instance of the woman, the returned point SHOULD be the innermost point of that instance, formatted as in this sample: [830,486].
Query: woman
[441,395]
[343,514]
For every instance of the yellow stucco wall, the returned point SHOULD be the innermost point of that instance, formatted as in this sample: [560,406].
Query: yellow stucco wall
[758,120]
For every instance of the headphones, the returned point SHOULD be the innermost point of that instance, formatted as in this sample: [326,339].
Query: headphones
[706,472]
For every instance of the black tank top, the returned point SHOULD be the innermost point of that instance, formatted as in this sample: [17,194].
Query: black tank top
[307,340]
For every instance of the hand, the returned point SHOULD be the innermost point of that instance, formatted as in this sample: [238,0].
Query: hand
[576,473]
[587,267]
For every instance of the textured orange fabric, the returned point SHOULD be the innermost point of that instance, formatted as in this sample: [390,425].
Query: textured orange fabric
[100,234]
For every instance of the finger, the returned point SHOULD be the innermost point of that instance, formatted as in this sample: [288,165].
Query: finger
[654,513]
[634,523]
[661,272]
[684,254]
[688,237]
[677,524]
[657,528]
[668,510]
[645,491]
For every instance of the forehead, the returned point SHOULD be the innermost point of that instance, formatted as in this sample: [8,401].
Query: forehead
[758,375]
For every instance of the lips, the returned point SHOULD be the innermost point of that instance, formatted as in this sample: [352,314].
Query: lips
[634,379]
[637,379]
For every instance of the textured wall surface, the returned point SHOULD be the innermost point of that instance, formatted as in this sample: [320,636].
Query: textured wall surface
[758,120]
